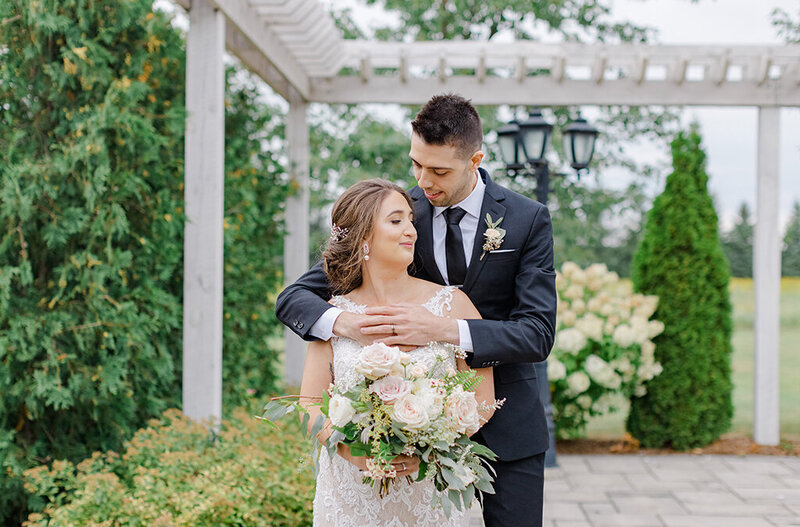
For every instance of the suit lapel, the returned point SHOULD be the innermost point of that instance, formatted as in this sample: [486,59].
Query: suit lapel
[492,205]
[423,213]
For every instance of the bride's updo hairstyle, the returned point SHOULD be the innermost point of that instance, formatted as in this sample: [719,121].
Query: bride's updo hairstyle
[353,218]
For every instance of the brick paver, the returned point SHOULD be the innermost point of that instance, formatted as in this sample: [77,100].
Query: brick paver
[671,491]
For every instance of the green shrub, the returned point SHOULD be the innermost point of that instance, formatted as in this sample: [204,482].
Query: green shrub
[681,261]
[172,474]
[91,230]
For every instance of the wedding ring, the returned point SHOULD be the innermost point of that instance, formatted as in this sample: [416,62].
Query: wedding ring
[394,332]
[404,467]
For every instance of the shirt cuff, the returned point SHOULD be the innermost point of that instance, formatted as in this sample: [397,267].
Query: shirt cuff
[464,336]
[323,327]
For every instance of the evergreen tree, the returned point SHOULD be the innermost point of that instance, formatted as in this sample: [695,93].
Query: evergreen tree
[790,259]
[738,244]
[91,231]
[680,260]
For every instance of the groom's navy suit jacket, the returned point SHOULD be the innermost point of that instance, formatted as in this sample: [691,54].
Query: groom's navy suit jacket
[513,290]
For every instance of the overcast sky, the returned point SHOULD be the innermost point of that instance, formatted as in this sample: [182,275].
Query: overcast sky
[729,133]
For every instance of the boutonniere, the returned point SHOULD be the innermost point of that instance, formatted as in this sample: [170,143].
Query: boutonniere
[494,235]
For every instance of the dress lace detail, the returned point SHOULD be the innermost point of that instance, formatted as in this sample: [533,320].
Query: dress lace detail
[341,499]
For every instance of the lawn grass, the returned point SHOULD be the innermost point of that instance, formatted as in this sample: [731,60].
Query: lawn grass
[742,297]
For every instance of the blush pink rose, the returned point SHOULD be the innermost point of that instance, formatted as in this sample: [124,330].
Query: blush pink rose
[390,388]
[376,360]
[410,410]
[461,409]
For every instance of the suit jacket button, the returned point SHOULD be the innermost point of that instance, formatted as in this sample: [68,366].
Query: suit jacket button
[294,323]
[299,325]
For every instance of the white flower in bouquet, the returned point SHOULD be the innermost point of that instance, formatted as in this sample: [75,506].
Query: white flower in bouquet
[376,360]
[417,370]
[570,340]
[555,369]
[461,409]
[431,394]
[624,336]
[410,410]
[590,325]
[390,388]
[341,410]
[578,382]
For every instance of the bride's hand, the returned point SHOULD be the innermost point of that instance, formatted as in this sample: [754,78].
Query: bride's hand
[359,461]
[406,465]
[349,325]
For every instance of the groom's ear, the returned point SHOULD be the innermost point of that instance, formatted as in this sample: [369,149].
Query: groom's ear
[475,160]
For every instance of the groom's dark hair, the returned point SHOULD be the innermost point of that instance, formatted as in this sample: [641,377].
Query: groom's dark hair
[451,120]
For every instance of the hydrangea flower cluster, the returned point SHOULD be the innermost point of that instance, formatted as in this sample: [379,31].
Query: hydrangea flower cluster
[604,352]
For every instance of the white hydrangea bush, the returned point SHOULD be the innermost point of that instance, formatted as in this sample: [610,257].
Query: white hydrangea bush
[604,352]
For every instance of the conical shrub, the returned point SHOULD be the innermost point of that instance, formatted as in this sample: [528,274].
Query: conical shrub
[680,260]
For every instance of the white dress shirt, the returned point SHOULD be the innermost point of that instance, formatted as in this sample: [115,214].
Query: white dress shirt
[323,327]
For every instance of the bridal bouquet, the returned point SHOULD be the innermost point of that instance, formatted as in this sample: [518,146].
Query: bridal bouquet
[399,406]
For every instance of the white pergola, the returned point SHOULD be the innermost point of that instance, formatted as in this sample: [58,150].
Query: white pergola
[294,46]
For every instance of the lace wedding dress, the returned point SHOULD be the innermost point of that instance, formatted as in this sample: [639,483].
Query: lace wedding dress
[341,499]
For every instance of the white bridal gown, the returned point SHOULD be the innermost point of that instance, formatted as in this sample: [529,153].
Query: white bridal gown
[341,499]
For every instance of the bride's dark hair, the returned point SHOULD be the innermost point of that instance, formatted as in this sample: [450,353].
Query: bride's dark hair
[353,218]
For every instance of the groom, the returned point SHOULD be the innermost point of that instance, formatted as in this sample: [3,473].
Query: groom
[508,276]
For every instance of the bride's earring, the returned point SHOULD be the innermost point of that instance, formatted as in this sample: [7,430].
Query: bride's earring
[366,251]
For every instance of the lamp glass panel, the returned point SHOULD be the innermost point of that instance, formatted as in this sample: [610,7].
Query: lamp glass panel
[584,144]
[508,148]
[534,143]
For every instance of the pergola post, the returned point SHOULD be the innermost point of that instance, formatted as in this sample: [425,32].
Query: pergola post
[204,196]
[767,280]
[295,243]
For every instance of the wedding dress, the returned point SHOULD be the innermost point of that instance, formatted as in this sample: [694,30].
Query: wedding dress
[341,499]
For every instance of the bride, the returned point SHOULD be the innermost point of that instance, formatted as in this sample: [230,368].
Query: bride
[366,262]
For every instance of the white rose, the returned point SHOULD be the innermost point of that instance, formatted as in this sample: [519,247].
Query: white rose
[461,409]
[410,410]
[578,382]
[340,411]
[555,369]
[390,388]
[432,397]
[417,370]
[376,360]
[570,340]
[492,234]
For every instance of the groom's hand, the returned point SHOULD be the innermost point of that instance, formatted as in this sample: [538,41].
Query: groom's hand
[349,325]
[408,326]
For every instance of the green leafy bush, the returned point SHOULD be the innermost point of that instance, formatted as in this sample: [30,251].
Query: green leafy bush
[92,125]
[603,353]
[681,261]
[171,473]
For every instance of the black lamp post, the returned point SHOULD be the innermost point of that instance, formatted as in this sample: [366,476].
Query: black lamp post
[523,145]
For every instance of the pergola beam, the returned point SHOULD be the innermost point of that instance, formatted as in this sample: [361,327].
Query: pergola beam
[548,91]
[243,16]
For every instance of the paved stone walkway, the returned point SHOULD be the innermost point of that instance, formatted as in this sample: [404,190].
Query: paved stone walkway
[671,491]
